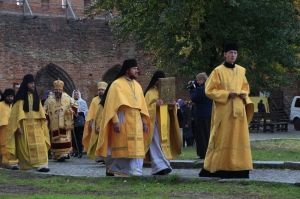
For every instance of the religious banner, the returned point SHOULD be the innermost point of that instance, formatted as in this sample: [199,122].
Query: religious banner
[166,90]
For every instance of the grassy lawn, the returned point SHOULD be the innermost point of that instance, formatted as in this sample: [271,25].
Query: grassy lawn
[21,184]
[32,186]
[276,150]
[270,150]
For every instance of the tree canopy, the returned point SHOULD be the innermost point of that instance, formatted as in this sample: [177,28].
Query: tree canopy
[186,37]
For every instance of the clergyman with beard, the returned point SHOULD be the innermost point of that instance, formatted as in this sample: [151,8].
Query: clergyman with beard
[27,135]
[125,124]
[60,109]
[90,136]
[7,161]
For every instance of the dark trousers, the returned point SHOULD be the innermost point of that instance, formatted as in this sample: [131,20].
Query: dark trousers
[189,142]
[202,133]
[77,140]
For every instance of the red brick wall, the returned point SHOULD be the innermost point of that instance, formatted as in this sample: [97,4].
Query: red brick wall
[84,51]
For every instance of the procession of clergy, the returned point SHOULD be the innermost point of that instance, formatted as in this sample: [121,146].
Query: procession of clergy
[124,127]
[121,139]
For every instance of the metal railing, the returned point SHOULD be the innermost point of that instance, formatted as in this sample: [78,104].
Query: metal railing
[25,6]
[69,7]
[25,2]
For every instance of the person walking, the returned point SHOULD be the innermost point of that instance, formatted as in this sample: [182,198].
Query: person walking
[161,145]
[229,153]
[90,134]
[60,110]
[125,125]
[27,131]
[78,129]
[7,160]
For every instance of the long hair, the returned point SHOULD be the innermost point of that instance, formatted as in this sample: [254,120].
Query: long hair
[158,74]
[22,94]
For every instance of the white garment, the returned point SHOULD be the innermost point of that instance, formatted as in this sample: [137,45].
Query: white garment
[82,105]
[158,159]
[124,166]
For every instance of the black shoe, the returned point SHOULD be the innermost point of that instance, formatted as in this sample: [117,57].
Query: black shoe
[109,174]
[44,170]
[68,157]
[75,154]
[15,168]
[12,167]
[163,172]
[79,156]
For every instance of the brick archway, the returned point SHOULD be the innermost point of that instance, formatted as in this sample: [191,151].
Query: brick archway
[111,74]
[47,75]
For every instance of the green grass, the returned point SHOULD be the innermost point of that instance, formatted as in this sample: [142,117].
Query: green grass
[276,150]
[269,150]
[31,185]
[188,153]
[20,184]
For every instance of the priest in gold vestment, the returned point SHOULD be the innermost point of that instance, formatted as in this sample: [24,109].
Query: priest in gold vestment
[90,135]
[6,159]
[27,132]
[229,154]
[124,124]
[162,144]
[60,109]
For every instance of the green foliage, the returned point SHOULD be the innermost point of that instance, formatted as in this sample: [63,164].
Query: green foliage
[186,37]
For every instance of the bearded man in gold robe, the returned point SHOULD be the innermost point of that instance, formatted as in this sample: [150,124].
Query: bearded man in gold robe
[27,135]
[229,154]
[90,135]
[161,145]
[60,109]
[124,124]
[8,161]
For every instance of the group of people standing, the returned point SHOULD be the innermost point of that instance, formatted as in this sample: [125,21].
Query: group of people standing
[125,127]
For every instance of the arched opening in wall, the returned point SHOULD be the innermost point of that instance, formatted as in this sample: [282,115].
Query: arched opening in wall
[111,74]
[47,75]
